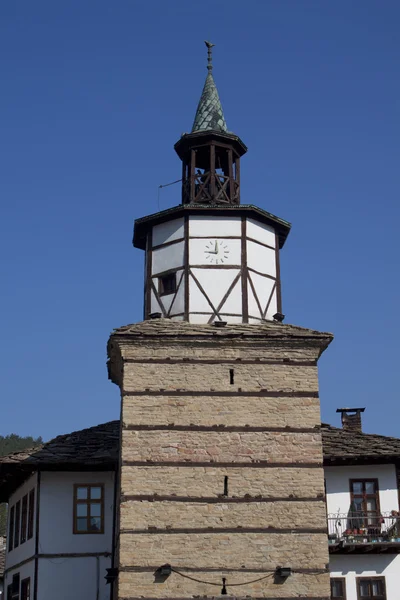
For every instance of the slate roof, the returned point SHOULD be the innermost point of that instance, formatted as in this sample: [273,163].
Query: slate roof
[99,446]
[91,447]
[349,447]
[209,114]
[169,328]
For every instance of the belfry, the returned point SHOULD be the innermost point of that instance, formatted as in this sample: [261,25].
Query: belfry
[221,486]
[211,258]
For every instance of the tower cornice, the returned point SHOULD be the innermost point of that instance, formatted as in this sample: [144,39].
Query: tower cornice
[142,225]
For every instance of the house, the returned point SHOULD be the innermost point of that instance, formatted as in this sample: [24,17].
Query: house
[61,516]
[2,561]
[59,552]
[362,476]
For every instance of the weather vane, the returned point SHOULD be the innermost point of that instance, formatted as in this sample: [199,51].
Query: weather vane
[209,54]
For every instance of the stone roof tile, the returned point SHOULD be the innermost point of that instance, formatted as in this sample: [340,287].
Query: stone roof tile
[167,328]
[93,446]
[347,446]
[99,446]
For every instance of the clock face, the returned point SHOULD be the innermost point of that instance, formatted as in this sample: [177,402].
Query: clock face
[216,252]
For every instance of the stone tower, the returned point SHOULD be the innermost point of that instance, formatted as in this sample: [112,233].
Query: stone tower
[221,487]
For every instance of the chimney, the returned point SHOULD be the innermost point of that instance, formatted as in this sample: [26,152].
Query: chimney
[351,419]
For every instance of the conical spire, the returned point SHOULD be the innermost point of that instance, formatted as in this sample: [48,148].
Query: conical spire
[209,114]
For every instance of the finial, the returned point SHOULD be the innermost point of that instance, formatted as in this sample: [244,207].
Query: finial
[209,55]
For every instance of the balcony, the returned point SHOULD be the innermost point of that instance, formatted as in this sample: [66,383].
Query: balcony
[364,532]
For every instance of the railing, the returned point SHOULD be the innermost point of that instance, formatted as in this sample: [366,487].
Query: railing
[364,528]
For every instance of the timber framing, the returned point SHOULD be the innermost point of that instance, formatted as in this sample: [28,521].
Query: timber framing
[219,499]
[260,464]
[213,597]
[218,530]
[185,569]
[185,274]
[222,393]
[221,428]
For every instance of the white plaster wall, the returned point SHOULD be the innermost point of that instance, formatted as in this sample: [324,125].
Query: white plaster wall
[26,570]
[200,318]
[263,287]
[27,549]
[56,513]
[338,486]
[229,318]
[167,232]
[216,283]
[154,304]
[261,259]
[260,232]
[367,565]
[73,578]
[198,251]
[169,257]
[179,302]
[178,305]
[209,225]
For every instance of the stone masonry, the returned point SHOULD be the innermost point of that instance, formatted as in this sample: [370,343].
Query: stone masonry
[221,460]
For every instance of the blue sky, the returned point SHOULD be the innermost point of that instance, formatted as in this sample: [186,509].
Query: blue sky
[94,96]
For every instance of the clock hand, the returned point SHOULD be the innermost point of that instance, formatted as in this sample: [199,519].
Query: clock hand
[216,247]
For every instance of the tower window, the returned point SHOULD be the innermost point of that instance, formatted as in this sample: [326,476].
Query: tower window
[167,284]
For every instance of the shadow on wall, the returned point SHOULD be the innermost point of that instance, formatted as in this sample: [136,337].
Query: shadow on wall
[360,564]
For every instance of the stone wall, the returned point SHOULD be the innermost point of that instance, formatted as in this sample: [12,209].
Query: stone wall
[221,461]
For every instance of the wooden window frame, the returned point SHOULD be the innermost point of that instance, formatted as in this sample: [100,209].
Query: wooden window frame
[343,580]
[359,579]
[88,501]
[31,513]
[24,519]
[161,290]
[11,525]
[366,496]
[17,529]
[26,587]
[15,586]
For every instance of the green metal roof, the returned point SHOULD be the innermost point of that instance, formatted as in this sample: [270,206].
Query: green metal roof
[209,114]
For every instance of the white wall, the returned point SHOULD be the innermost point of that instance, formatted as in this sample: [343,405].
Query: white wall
[261,232]
[167,232]
[168,257]
[338,486]
[367,565]
[198,251]
[25,571]
[27,549]
[65,577]
[56,513]
[209,225]
[73,579]
[204,233]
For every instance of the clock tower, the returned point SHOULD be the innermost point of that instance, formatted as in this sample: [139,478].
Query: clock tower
[221,485]
[212,258]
